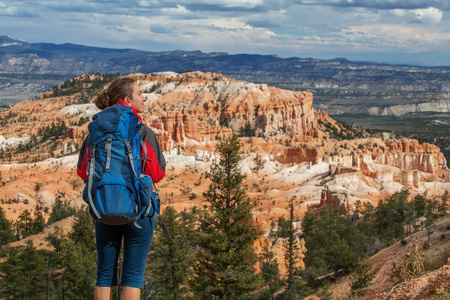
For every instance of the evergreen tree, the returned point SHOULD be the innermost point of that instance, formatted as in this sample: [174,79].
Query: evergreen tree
[290,249]
[78,261]
[339,254]
[420,205]
[79,271]
[23,224]
[444,204]
[60,210]
[83,230]
[272,232]
[390,215]
[270,273]
[57,240]
[248,130]
[6,231]
[23,275]
[38,223]
[226,232]
[170,260]
[362,275]
[308,223]
[430,218]
[333,241]
[283,227]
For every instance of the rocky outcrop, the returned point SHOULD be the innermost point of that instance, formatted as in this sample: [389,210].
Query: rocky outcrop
[410,155]
[75,132]
[407,154]
[299,155]
[203,106]
[400,110]
[331,199]
[411,179]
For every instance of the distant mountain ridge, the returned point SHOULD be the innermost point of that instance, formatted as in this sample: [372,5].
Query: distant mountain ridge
[21,57]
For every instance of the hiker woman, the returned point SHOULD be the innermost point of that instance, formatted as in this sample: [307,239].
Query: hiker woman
[137,235]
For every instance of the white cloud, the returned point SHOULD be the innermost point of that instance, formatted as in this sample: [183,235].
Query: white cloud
[218,4]
[229,24]
[285,27]
[429,15]
[18,12]
[381,4]
[147,3]
[179,10]
[408,38]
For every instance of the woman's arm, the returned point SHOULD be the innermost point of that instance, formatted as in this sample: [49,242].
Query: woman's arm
[155,165]
[83,158]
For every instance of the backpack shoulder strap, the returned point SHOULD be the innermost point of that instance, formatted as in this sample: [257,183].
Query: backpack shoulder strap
[163,226]
[90,179]
[156,215]
[130,157]
[144,148]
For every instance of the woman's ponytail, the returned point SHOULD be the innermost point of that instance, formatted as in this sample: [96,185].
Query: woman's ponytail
[118,89]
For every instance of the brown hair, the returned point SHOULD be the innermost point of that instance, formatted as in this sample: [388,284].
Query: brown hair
[116,90]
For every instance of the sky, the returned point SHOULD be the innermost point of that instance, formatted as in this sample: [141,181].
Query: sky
[390,31]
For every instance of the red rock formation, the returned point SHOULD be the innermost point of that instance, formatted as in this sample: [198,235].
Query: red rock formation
[298,155]
[199,106]
[75,132]
[329,198]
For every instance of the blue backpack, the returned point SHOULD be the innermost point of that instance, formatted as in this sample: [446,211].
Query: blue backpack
[116,190]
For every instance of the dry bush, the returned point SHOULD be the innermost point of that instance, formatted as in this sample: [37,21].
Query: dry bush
[411,265]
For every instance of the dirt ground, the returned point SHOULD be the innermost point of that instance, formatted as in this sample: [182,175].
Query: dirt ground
[423,287]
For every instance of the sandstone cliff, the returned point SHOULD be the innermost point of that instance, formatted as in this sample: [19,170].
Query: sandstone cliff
[203,106]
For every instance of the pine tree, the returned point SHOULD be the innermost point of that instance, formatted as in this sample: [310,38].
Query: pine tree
[57,239]
[420,204]
[6,231]
[23,274]
[83,230]
[291,248]
[226,232]
[444,204]
[362,275]
[23,224]
[392,212]
[270,272]
[78,278]
[170,260]
[78,261]
[283,227]
[291,260]
[60,210]
[430,217]
[38,223]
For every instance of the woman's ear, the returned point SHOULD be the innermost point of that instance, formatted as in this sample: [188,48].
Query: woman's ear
[127,100]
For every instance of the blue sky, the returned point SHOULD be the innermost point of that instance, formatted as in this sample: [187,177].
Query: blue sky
[392,31]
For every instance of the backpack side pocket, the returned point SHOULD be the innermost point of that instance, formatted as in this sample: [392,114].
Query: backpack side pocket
[145,189]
